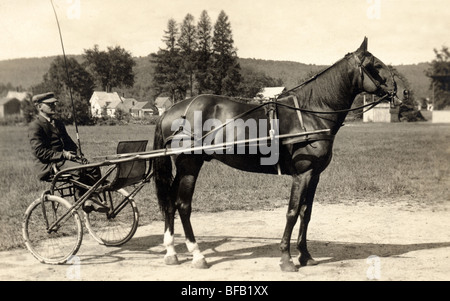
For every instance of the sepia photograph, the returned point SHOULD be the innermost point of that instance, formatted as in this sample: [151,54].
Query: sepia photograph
[224,144]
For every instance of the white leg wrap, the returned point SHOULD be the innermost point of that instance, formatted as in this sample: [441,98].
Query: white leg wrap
[169,244]
[195,250]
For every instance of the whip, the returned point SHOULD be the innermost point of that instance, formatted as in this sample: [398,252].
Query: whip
[68,79]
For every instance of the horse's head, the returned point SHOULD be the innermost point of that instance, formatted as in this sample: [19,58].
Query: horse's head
[372,75]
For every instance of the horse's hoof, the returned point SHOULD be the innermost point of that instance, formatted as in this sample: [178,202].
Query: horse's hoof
[288,267]
[171,260]
[200,264]
[308,262]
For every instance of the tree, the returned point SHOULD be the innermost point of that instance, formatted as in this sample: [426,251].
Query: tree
[440,78]
[28,109]
[111,68]
[253,81]
[203,59]
[226,69]
[81,84]
[169,76]
[187,43]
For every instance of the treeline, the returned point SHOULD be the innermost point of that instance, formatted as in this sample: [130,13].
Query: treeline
[22,74]
[201,58]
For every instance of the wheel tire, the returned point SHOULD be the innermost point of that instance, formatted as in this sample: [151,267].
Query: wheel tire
[58,246]
[114,231]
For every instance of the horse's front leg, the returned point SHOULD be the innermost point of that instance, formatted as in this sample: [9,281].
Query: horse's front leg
[305,216]
[298,193]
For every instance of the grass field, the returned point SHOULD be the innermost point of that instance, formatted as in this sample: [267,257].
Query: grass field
[377,163]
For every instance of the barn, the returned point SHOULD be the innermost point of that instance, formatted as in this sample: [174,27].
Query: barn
[381,112]
[9,106]
[269,93]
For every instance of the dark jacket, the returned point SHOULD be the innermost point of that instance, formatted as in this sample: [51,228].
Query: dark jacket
[47,143]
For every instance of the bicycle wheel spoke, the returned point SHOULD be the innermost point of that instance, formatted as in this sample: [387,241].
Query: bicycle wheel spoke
[57,245]
[114,231]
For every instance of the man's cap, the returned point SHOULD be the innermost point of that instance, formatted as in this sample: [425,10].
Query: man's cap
[44,98]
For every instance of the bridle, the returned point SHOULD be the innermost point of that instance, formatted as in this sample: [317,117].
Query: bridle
[362,71]
[377,83]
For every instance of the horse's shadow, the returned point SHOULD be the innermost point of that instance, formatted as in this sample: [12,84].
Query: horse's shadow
[217,251]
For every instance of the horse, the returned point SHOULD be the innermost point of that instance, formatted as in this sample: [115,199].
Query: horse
[321,103]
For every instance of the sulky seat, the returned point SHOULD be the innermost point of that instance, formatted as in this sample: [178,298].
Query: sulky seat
[131,172]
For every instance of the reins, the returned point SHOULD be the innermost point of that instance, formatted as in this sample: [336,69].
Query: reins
[371,105]
[272,105]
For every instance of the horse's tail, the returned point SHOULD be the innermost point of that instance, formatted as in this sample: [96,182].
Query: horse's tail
[162,170]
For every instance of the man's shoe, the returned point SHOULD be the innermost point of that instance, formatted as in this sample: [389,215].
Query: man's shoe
[90,206]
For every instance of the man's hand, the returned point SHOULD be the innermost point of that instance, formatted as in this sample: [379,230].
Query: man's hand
[69,155]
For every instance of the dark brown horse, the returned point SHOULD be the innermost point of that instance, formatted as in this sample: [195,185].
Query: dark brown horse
[323,103]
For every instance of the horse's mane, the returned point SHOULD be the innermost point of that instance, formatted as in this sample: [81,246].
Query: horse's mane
[329,89]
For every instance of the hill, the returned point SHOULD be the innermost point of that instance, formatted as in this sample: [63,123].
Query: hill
[26,72]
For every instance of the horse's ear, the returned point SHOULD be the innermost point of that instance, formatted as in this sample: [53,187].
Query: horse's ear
[363,47]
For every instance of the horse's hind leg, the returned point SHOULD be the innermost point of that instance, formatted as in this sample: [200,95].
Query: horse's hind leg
[169,215]
[187,170]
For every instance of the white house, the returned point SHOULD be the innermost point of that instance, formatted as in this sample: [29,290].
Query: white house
[101,101]
[9,106]
[269,93]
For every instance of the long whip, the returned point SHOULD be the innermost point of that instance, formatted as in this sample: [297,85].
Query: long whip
[68,79]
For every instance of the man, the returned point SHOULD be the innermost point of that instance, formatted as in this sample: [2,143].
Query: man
[52,148]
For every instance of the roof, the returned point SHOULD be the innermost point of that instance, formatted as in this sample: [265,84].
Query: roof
[21,96]
[139,105]
[150,106]
[161,102]
[126,104]
[104,97]
[270,92]
[5,100]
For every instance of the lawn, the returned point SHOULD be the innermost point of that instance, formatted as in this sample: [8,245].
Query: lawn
[376,163]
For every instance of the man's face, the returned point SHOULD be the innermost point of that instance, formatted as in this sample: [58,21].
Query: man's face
[48,108]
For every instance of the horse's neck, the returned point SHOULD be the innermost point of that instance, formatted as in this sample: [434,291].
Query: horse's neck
[332,90]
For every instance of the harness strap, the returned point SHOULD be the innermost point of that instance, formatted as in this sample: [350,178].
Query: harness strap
[272,115]
[308,138]
[299,113]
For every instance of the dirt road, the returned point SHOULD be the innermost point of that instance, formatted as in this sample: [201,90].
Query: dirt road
[351,242]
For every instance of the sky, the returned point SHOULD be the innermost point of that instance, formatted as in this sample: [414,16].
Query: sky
[312,32]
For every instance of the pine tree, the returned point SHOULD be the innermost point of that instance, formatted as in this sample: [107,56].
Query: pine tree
[188,44]
[226,66]
[203,61]
[169,76]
